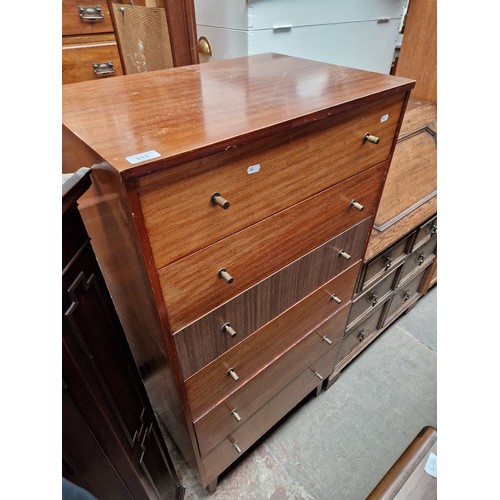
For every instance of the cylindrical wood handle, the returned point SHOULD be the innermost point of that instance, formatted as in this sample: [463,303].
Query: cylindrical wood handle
[217,199]
[222,273]
[371,138]
[233,374]
[335,299]
[227,328]
[356,205]
[344,254]
[235,414]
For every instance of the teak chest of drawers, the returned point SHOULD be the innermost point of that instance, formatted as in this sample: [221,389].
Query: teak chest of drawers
[230,211]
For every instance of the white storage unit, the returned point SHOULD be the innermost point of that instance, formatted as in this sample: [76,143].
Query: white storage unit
[357,33]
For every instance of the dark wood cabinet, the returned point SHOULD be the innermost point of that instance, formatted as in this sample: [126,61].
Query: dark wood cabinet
[112,443]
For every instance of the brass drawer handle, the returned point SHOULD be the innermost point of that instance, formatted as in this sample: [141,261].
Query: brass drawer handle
[222,273]
[387,262]
[236,447]
[217,199]
[421,259]
[374,299]
[356,205]
[335,298]
[371,138]
[406,295]
[235,414]
[227,328]
[105,68]
[344,254]
[233,374]
[204,46]
[91,13]
[361,335]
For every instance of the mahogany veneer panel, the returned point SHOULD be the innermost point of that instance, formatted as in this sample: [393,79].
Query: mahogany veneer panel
[259,250]
[201,342]
[291,168]
[219,422]
[209,386]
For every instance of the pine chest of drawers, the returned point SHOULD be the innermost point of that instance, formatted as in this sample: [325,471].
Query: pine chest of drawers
[231,208]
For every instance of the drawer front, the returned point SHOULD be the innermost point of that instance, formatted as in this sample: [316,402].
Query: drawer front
[74,234]
[404,295]
[261,15]
[290,168]
[95,18]
[374,296]
[386,262]
[419,258]
[206,339]
[78,62]
[360,334]
[426,232]
[212,384]
[193,286]
[220,421]
[247,434]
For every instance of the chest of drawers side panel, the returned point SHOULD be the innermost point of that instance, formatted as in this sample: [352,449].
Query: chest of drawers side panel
[107,213]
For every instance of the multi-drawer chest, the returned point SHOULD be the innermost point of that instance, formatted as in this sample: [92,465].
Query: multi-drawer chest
[231,207]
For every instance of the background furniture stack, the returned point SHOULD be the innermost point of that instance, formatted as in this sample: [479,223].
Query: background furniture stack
[359,34]
[400,263]
[230,221]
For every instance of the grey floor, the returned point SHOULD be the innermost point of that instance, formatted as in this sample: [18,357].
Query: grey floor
[341,443]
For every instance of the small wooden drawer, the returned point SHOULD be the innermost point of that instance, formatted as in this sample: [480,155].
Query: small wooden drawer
[233,411]
[90,61]
[79,18]
[357,337]
[209,337]
[403,297]
[260,179]
[419,258]
[426,232]
[372,297]
[194,286]
[261,421]
[209,386]
[386,262]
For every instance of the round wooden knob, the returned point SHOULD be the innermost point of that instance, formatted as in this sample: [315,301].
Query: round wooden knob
[227,328]
[235,414]
[356,205]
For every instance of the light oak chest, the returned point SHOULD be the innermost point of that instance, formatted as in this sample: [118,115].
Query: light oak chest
[231,209]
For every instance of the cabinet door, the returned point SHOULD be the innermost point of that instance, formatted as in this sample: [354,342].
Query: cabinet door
[104,384]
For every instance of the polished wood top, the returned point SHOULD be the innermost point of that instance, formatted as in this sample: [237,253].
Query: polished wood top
[191,111]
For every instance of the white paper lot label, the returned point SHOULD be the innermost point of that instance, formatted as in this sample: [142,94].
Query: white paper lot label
[138,158]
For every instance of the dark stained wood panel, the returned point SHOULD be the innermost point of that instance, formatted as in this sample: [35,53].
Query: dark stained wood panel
[200,343]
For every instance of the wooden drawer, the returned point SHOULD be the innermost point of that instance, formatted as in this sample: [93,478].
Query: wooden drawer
[78,61]
[364,303]
[219,422]
[261,421]
[291,169]
[386,262]
[404,296]
[209,386]
[74,235]
[192,287]
[419,258]
[91,21]
[426,232]
[201,342]
[360,334]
